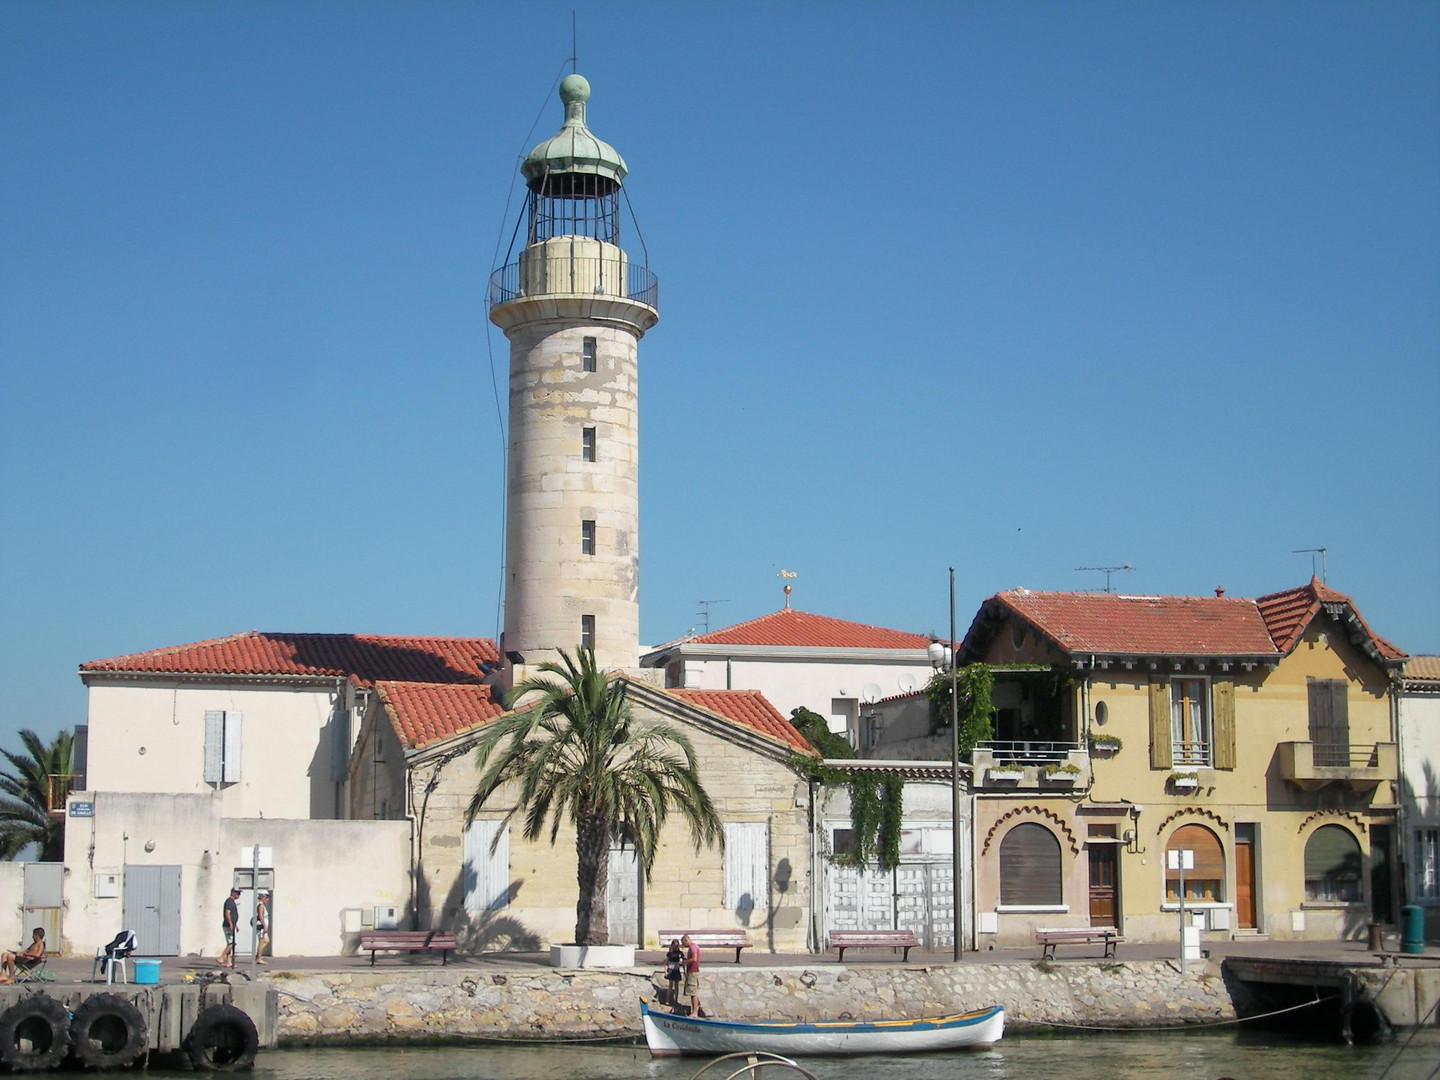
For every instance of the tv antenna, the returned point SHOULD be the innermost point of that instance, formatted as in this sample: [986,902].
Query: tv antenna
[1312,552]
[705,614]
[1107,571]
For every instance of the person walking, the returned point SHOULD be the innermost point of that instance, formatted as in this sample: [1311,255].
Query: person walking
[692,975]
[230,920]
[262,926]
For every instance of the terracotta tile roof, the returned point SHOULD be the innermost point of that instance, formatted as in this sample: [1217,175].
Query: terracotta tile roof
[799,628]
[1422,669]
[1113,623]
[1287,613]
[364,657]
[749,708]
[422,713]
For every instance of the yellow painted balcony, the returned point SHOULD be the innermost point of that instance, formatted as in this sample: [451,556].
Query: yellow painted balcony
[1362,767]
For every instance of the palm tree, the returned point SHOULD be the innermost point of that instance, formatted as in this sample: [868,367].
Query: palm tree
[25,805]
[579,756]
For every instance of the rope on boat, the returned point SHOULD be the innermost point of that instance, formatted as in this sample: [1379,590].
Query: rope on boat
[1191,1026]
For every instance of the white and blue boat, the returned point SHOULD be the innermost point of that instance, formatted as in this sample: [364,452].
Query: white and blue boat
[669,1034]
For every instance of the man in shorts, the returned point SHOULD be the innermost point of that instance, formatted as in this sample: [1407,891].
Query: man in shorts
[229,922]
[692,975]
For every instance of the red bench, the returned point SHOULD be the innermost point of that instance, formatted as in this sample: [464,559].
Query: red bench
[709,939]
[441,941]
[872,939]
[1077,935]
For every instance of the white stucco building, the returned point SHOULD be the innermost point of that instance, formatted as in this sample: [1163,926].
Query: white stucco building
[1420,785]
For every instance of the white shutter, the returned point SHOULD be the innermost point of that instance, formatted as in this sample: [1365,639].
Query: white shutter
[232,747]
[747,866]
[486,876]
[214,745]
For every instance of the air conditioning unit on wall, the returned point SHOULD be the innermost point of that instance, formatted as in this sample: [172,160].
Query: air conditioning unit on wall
[387,918]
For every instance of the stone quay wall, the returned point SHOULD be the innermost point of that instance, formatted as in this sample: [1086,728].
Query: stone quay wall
[420,1004]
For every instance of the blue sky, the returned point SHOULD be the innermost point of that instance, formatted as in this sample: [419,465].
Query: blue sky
[1019,287]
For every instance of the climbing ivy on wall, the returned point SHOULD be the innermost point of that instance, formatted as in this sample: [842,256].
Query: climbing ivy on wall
[974,683]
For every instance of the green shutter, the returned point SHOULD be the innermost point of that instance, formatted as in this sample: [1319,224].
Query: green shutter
[1224,727]
[1160,724]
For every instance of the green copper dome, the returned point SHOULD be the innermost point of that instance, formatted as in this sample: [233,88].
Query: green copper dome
[573,150]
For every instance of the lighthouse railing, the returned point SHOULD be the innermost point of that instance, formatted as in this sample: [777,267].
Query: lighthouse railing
[573,275]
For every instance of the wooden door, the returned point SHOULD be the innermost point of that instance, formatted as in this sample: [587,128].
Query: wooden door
[1104,885]
[1244,883]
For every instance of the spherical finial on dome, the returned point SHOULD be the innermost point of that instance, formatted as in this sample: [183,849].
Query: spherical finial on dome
[574,88]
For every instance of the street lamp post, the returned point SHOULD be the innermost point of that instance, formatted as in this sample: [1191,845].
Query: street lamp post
[941,655]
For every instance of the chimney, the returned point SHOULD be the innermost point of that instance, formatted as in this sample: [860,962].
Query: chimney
[1219,590]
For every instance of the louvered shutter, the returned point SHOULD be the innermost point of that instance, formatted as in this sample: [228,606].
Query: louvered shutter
[1160,725]
[1224,701]
[1030,867]
[1329,722]
[486,875]
[231,771]
[747,866]
[214,745]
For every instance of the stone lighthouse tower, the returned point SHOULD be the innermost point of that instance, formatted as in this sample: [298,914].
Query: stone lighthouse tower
[574,308]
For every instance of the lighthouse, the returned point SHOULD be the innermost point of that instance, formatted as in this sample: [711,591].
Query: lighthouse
[574,306]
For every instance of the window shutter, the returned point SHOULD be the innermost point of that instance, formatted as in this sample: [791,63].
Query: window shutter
[1030,866]
[1160,725]
[214,745]
[486,876]
[1329,721]
[747,866]
[231,772]
[1209,856]
[1224,701]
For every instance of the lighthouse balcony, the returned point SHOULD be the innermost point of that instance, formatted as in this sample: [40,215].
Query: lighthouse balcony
[574,275]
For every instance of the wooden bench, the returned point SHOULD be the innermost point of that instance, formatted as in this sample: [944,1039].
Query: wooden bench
[872,939]
[375,941]
[709,939]
[1077,935]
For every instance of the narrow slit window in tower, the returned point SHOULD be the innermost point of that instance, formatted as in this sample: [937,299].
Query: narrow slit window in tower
[587,353]
[587,538]
[587,631]
[587,444]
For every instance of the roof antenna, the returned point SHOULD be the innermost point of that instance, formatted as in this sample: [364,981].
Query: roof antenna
[574,49]
[706,604]
[1312,552]
[787,575]
[1107,571]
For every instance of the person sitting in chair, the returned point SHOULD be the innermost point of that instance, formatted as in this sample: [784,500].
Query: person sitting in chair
[26,958]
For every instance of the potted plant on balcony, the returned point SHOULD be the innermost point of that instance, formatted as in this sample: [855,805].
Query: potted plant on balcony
[1185,780]
[1005,772]
[1060,772]
[1102,743]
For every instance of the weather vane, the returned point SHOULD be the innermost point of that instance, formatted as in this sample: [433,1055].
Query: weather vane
[787,575]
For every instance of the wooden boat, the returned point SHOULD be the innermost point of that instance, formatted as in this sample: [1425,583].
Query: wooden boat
[669,1034]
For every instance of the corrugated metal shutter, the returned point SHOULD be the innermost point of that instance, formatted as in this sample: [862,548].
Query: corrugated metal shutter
[1160,725]
[486,874]
[1030,866]
[747,866]
[232,747]
[214,745]
[1224,699]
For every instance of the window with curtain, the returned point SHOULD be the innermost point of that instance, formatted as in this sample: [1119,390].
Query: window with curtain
[1190,721]
[1206,882]
[1030,874]
[1332,865]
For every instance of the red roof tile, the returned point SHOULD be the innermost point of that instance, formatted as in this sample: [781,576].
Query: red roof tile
[1112,623]
[798,628]
[1287,613]
[364,657]
[422,713]
[747,707]
[1422,669]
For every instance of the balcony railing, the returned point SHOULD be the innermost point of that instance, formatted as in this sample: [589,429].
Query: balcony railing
[582,274]
[1359,765]
[1027,753]
[1010,766]
[1190,753]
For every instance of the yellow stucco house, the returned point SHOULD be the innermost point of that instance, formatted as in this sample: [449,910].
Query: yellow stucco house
[1259,735]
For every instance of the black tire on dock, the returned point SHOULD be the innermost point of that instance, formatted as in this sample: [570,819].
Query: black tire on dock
[34,1034]
[1365,1021]
[108,1032]
[223,1039]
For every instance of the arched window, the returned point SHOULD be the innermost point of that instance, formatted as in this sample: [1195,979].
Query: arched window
[1332,865]
[1030,867]
[1206,882]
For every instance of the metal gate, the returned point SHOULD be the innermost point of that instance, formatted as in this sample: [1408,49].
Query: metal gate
[44,897]
[152,909]
[916,896]
[622,897]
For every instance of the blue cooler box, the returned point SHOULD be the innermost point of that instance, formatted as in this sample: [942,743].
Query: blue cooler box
[147,971]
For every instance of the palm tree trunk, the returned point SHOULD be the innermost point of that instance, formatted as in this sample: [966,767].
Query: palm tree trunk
[592,851]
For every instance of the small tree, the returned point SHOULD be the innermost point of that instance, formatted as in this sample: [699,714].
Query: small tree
[25,805]
[579,756]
